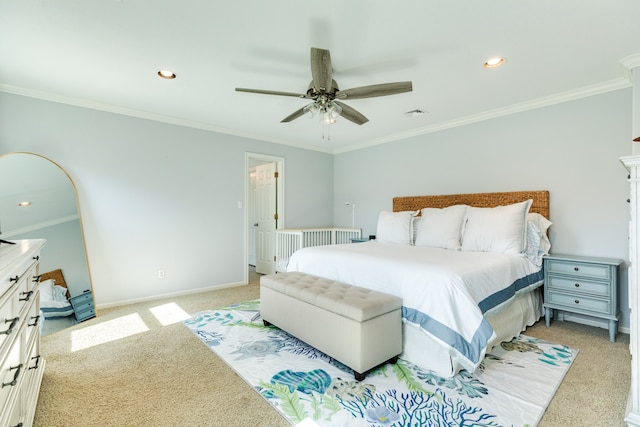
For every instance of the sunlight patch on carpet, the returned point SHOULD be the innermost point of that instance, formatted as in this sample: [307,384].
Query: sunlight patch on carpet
[512,387]
[108,331]
[168,314]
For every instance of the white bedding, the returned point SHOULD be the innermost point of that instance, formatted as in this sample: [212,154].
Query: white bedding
[445,293]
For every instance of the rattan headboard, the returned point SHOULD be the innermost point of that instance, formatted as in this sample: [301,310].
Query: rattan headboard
[482,200]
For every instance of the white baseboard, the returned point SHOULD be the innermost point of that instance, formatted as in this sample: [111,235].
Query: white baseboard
[169,295]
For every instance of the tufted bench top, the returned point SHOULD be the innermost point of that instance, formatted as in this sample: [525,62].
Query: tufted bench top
[356,303]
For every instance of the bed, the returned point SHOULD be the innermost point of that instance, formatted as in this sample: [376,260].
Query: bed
[54,295]
[467,266]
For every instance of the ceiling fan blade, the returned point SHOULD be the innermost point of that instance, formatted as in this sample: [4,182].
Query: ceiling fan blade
[351,114]
[271,92]
[321,69]
[293,116]
[372,91]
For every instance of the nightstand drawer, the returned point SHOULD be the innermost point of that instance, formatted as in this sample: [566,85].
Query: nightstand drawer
[576,284]
[594,271]
[579,302]
[81,299]
[85,314]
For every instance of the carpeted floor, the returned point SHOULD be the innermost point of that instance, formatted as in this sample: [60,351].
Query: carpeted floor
[138,365]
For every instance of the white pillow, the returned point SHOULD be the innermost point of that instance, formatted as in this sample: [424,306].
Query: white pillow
[442,228]
[46,290]
[501,229]
[395,227]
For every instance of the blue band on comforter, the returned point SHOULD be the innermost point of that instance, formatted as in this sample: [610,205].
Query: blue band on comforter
[531,281]
[469,350]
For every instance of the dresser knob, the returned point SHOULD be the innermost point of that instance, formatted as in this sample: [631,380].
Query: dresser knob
[577,301]
[577,285]
[576,268]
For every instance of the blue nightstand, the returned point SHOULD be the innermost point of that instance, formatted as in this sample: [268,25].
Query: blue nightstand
[83,306]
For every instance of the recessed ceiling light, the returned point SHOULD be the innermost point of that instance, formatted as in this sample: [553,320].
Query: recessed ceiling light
[494,62]
[23,204]
[167,74]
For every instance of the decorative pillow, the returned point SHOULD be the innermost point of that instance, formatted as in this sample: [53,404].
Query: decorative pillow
[442,228]
[395,227]
[538,244]
[59,293]
[501,229]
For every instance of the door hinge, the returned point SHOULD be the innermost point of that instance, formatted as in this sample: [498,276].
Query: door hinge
[275,174]
[275,216]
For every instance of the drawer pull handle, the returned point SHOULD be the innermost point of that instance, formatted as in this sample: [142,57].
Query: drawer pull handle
[15,377]
[36,278]
[577,285]
[577,301]
[36,320]
[37,257]
[13,279]
[37,358]
[11,326]
[576,268]
[27,295]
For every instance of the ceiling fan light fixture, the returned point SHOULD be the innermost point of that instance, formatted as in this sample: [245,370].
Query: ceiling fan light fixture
[167,74]
[332,111]
[24,204]
[311,110]
[494,62]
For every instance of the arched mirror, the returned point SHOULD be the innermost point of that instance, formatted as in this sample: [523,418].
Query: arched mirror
[38,201]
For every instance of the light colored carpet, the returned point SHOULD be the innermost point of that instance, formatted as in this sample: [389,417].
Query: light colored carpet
[161,374]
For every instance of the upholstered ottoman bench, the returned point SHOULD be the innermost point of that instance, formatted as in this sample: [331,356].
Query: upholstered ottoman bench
[359,327]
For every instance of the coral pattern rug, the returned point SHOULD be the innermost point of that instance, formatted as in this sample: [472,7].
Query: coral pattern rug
[512,387]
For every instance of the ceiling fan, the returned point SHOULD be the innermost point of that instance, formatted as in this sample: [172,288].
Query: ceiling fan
[326,95]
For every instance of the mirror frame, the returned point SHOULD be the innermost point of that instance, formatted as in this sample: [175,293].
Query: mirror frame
[75,191]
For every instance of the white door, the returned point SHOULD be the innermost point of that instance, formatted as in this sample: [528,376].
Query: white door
[252,217]
[266,211]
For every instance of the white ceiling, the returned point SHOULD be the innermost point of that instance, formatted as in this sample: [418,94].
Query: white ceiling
[104,54]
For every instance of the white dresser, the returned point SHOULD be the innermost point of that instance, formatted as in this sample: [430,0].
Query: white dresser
[21,367]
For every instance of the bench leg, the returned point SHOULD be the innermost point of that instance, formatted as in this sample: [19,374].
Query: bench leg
[361,376]
[266,323]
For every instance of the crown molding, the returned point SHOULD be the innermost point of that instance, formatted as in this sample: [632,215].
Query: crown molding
[116,109]
[584,92]
[40,226]
[627,64]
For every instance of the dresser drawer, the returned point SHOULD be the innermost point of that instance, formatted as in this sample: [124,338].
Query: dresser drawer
[594,271]
[577,284]
[573,302]
[11,372]
[85,314]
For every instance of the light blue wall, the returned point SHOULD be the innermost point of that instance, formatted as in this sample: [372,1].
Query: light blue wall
[571,149]
[158,196]
[155,195]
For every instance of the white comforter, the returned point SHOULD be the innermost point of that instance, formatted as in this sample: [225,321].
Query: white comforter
[445,292]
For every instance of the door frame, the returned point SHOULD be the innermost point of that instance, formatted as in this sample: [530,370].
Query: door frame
[264,158]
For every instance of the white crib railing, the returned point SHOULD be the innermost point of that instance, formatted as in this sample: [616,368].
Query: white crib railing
[290,240]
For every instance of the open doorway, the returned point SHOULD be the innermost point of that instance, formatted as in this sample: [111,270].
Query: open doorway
[264,211]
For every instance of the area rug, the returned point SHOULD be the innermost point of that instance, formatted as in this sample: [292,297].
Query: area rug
[512,387]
